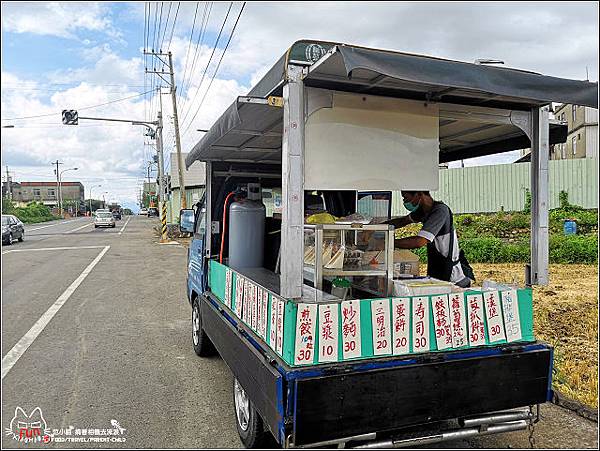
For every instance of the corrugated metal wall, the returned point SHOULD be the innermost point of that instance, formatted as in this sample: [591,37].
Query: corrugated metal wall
[489,188]
[192,196]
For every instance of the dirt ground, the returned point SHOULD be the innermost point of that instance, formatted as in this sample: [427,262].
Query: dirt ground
[566,316]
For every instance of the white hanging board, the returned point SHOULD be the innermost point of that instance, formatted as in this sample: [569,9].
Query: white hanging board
[328,332]
[512,320]
[401,325]
[420,323]
[371,143]
[382,334]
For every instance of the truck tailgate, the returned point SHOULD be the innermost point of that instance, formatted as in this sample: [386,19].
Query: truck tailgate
[342,405]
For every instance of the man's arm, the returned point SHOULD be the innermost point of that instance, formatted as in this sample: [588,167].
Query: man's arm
[400,222]
[411,242]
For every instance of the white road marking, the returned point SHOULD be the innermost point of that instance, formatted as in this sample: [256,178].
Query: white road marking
[125,225]
[9,360]
[50,225]
[79,228]
[68,248]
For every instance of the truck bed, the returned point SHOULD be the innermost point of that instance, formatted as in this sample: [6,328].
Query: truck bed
[302,406]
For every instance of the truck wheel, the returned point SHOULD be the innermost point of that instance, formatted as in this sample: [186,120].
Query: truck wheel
[203,347]
[249,424]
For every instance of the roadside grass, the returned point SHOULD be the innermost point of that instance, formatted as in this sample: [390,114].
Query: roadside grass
[566,316]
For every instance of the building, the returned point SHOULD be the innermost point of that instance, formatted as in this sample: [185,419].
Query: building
[582,138]
[195,181]
[47,193]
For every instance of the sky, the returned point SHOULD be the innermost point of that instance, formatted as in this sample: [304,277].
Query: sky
[89,56]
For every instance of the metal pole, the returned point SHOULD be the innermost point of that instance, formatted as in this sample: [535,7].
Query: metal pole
[161,175]
[8,187]
[60,202]
[292,172]
[538,274]
[177,138]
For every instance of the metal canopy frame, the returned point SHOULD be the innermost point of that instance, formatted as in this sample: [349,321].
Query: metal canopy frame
[534,124]
[473,122]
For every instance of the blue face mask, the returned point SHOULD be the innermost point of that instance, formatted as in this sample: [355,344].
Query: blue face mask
[411,207]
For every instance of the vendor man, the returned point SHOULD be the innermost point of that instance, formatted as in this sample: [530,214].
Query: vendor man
[437,233]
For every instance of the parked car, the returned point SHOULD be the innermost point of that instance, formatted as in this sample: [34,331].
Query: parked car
[104,219]
[12,229]
[143,212]
[116,214]
[152,211]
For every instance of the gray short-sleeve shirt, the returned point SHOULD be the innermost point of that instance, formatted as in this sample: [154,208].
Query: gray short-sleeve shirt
[437,226]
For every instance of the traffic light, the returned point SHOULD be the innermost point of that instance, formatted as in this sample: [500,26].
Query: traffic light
[70,117]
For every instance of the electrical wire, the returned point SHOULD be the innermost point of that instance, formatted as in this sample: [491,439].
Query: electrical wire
[173,29]
[209,60]
[162,42]
[217,69]
[187,53]
[78,109]
[204,24]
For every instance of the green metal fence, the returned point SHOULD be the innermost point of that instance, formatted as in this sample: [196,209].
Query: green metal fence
[482,189]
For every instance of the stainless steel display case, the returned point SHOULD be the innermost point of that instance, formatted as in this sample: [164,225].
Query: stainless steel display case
[321,232]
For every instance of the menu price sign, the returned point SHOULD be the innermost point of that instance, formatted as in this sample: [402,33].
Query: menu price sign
[228,278]
[420,323]
[401,325]
[351,338]
[254,309]
[273,323]
[441,321]
[305,334]
[512,320]
[475,316]
[382,334]
[239,295]
[328,333]
[279,326]
[263,312]
[458,320]
[493,314]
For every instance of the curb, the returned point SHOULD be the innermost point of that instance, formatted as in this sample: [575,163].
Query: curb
[580,409]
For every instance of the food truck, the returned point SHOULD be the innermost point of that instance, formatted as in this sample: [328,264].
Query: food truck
[393,359]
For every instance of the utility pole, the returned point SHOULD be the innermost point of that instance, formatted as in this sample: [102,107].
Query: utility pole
[177,137]
[162,208]
[57,171]
[8,184]
[171,84]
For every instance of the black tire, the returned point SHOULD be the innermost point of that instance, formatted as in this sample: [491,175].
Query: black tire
[10,239]
[22,237]
[250,426]
[95,226]
[203,347]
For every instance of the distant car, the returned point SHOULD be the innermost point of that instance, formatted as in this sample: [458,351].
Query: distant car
[12,229]
[116,214]
[104,219]
[152,211]
[143,212]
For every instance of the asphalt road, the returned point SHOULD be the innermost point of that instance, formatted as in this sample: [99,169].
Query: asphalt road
[96,331]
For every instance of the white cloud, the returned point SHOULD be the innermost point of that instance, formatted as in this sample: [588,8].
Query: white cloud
[64,20]
[554,39]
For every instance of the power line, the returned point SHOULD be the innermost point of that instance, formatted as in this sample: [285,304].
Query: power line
[82,108]
[199,42]
[187,53]
[166,26]
[174,22]
[218,66]
[209,60]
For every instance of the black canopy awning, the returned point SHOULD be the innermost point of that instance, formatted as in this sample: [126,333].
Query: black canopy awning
[250,131]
